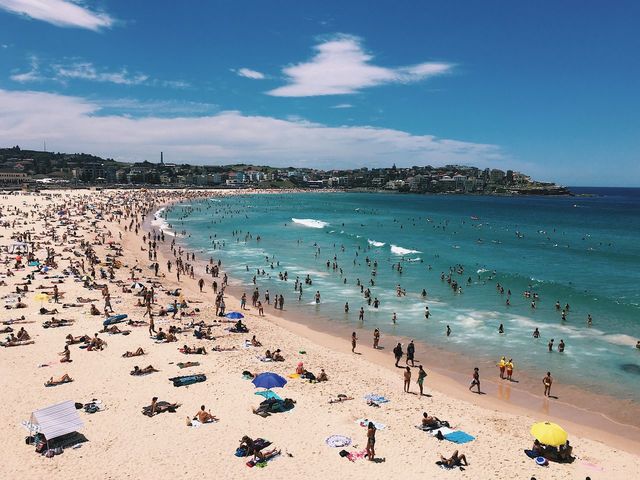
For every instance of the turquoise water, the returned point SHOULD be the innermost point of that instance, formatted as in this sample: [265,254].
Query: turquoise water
[583,251]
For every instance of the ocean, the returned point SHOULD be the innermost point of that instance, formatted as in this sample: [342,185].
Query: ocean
[583,251]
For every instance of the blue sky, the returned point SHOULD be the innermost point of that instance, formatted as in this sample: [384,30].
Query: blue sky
[549,88]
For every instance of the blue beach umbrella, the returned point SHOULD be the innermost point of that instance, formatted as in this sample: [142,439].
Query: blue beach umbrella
[234,315]
[269,380]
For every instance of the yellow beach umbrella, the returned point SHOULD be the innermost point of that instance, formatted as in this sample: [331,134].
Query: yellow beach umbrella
[41,297]
[549,433]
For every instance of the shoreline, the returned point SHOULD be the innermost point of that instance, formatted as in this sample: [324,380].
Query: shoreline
[575,411]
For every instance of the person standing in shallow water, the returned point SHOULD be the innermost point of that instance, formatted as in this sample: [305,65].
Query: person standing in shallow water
[547,381]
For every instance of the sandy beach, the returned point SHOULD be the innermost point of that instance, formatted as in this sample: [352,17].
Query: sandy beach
[123,443]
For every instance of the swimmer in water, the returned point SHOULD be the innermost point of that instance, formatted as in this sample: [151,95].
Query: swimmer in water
[550,345]
[561,346]
[536,333]
[501,329]
[449,331]
[394,318]
[589,320]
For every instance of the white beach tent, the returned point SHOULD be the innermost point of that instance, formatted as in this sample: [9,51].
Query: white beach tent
[56,420]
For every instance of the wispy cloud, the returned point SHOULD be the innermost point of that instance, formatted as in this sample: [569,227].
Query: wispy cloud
[341,66]
[75,69]
[156,108]
[87,71]
[342,105]
[248,73]
[75,124]
[62,13]
[32,75]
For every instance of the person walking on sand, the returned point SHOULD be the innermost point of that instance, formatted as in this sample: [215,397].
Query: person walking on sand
[547,381]
[411,351]
[376,338]
[397,352]
[421,376]
[354,339]
[475,380]
[407,379]
[371,441]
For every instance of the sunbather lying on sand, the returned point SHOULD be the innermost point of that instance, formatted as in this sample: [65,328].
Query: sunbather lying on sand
[218,348]
[341,398]
[204,417]
[273,405]
[44,311]
[193,350]
[250,446]
[137,371]
[137,353]
[86,300]
[63,379]
[71,340]
[455,460]
[159,407]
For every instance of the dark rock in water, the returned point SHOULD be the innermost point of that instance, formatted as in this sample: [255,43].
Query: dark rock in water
[631,368]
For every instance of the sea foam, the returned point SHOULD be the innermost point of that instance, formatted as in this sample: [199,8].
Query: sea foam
[402,251]
[309,222]
[376,244]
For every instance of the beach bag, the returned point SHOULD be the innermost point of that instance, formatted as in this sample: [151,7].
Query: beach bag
[343,453]
[40,447]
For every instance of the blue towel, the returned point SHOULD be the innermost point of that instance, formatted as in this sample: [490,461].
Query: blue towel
[376,398]
[268,394]
[459,437]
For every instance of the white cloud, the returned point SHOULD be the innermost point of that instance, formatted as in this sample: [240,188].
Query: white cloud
[75,69]
[341,66]
[59,12]
[73,124]
[33,75]
[343,105]
[248,73]
[87,71]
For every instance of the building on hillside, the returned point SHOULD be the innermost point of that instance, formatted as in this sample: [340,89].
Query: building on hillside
[13,177]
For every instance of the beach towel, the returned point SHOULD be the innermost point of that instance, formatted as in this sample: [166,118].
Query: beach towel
[372,397]
[338,441]
[195,423]
[364,422]
[444,431]
[293,375]
[353,456]
[264,359]
[267,394]
[261,463]
[459,437]
[444,466]
[187,380]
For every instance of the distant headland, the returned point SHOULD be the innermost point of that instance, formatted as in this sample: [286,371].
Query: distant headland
[20,167]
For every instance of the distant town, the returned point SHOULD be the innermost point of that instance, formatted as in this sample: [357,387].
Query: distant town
[40,169]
